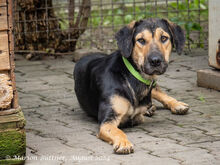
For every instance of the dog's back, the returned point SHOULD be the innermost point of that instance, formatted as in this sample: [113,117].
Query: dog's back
[88,99]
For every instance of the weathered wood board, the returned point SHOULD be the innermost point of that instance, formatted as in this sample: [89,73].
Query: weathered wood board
[3,18]
[12,122]
[4,53]
[214,32]
[3,3]
[4,72]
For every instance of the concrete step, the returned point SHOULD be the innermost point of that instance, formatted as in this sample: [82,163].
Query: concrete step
[209,78]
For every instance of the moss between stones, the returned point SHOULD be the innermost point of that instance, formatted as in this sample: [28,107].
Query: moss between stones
[11,162]
[12,143]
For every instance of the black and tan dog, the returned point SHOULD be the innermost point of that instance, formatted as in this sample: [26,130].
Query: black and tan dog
[107,90]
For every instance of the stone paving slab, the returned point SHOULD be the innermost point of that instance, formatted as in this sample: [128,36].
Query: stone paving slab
[60,133]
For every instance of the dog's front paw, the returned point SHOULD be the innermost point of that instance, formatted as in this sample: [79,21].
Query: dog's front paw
[150,111]
[179,108]
[123,147]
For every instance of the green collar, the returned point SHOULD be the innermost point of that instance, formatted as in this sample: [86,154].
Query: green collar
[136,74]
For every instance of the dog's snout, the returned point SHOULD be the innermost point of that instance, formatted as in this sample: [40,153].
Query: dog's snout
[155,61]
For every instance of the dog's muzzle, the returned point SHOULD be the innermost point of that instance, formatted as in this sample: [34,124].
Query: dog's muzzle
[155,64]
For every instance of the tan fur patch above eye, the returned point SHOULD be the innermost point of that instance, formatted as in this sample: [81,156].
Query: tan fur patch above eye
[146,34]
[159,32]
[166,47]
[141,50]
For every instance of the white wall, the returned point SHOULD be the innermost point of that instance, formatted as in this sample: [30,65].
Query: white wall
[214,31]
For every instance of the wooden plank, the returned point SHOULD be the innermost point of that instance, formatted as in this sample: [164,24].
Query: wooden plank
[4,54]
[6,118]
[214,29]
[4,72]
[11,53]
[3,18]
[3,3]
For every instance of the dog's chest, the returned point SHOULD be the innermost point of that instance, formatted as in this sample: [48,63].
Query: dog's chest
[139,96]
[141,102]
[133,113]
[142,98]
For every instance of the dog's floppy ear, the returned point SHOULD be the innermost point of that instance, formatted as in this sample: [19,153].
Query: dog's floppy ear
[178,36]
[124,39]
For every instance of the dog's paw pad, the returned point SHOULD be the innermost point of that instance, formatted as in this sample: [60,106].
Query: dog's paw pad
[180,108]
[123,147]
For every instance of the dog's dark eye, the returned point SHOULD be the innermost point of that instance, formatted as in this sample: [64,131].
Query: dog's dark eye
[142,41]
[163,39]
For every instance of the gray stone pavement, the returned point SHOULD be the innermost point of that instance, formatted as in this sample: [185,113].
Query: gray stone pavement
[59,132]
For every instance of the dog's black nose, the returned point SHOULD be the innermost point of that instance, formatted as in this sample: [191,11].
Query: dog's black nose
[155,61]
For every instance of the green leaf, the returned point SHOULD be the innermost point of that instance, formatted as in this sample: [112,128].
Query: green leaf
[188,26]
[196,2]
[128,18]
[106,22]
[119,12]
[173,4]
[110,12]
[201,98]
[196,26]
[202,6]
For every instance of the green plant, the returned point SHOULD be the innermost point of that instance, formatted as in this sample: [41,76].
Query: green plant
[189,19]
[177,13]
[201,98]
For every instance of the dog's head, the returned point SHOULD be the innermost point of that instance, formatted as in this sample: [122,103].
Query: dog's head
[148,43]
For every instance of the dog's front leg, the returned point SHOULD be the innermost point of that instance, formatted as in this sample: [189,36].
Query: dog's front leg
[175,106]
[109,130]
[113,135]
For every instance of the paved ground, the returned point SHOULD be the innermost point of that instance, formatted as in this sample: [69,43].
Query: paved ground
[59,132]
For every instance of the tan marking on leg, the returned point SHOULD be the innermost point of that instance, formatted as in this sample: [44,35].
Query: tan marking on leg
[113,135]
[122,107]
[175,106]
[139,110]
[138,119]
[110,132]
